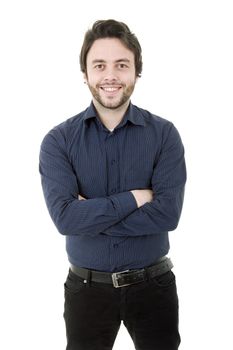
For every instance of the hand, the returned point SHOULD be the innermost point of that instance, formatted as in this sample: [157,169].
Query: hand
[142,196]
[81,198]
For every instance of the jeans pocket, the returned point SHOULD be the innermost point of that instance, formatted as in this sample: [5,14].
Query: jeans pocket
[73,283]
[165,280]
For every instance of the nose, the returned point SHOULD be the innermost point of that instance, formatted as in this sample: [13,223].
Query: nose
[110,74]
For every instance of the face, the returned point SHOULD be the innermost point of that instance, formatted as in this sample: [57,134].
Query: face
[111,75]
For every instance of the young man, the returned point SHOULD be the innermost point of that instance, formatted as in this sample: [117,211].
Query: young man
[113,178]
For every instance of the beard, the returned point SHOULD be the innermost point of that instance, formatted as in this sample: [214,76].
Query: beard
[112,103]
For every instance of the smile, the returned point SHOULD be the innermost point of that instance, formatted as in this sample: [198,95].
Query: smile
[110,89]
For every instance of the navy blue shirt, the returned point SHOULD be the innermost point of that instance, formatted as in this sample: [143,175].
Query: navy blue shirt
[107,232]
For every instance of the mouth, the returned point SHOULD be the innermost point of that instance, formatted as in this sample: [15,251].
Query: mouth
[110,90]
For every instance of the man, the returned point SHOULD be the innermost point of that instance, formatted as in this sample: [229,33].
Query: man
[113,178]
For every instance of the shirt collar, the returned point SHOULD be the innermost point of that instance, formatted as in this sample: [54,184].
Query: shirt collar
[90,112]
[133,114]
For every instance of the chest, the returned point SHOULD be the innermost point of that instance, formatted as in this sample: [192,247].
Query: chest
[106,163]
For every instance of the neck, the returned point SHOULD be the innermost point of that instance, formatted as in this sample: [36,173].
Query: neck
[111,117]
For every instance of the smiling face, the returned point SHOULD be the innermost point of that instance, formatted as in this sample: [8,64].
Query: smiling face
[111,75]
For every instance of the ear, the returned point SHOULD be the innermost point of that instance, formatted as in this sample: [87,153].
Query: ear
[85,78]
[136,80]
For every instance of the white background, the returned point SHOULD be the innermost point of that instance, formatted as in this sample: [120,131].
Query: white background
[187,78]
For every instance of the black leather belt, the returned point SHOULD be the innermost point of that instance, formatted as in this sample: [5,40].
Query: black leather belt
[125,278]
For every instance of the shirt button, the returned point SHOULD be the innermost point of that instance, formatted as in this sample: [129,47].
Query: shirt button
[113,190]
[113,162]
[115,245]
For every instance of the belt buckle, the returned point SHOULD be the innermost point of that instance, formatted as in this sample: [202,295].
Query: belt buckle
[115,279]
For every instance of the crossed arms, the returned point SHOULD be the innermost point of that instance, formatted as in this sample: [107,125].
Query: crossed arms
[132,213]
[141,196]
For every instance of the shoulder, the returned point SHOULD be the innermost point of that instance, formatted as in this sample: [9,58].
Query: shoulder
[70,125]
[153,121]
[163,129]
[64,132]
[150,118]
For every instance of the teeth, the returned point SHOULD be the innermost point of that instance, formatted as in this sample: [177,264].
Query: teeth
[110,89]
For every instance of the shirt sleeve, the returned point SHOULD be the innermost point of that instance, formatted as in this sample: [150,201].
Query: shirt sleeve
[71,215]
[168,183]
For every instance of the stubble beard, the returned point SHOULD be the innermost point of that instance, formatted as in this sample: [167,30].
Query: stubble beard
[127,92]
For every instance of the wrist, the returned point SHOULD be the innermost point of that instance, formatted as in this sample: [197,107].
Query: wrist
[136,197]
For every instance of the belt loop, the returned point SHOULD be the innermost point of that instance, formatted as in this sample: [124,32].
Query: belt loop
[147,274]
[88,281]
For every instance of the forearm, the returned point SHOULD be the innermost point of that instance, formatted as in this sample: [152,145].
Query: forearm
[168,183]
[73,216]
[161,215]
[142,196]
[93,216]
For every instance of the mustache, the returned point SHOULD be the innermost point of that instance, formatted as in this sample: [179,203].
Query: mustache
[114,83]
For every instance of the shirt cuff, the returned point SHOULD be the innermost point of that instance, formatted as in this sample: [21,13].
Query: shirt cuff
[125,203]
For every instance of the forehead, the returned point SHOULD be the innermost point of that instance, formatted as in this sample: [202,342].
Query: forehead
[109,49]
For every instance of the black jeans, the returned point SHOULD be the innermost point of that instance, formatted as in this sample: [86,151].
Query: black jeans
[94,311]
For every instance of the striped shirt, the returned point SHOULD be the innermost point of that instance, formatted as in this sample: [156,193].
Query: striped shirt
[107,232]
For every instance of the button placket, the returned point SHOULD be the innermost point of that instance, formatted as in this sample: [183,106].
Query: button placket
[112,169]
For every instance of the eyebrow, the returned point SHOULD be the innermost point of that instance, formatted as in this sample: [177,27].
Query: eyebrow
[126,60]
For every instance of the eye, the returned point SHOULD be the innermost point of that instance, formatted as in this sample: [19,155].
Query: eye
[122,66]
[99,66]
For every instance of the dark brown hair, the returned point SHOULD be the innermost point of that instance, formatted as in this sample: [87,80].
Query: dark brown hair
[111,29]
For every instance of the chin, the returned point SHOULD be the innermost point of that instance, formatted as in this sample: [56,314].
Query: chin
[114,104]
